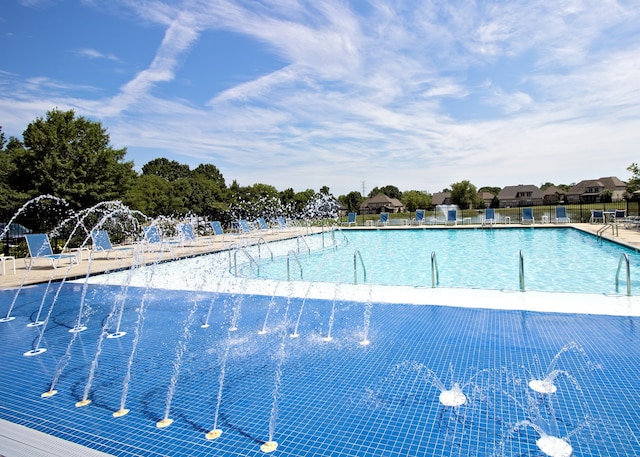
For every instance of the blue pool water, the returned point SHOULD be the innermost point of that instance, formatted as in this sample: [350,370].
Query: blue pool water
[556,260]
[334,398]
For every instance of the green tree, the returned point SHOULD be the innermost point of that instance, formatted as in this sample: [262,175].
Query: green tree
[167,169]
[389,190]
[9,198]
[633,184]
[200,196]
[69,157]
[153,196]
[606,196]
[415,199]
[490,189]
[211,173]
[352,201]
[465,195]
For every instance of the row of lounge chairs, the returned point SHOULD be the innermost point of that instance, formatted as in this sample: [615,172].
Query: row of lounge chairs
[490,217]
[39,245]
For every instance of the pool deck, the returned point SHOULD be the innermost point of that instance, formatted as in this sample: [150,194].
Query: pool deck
[41,271]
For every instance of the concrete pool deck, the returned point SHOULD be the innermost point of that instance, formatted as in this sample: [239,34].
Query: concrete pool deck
[41,271]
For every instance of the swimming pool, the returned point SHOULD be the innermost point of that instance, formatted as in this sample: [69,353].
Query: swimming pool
[323,392]
[555,260]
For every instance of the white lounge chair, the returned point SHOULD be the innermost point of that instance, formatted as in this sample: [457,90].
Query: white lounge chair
[561,215]
[40,248]
[452,217]
[102,243]
[527,216]
[419,219]
[489,216]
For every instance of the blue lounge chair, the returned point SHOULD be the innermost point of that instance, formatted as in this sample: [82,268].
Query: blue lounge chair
[262,224]
[384,219]
[102,243]
[620,215]
[40,248]
[452,217]
[527,216]
[561,215]
[188,235]
[351,219]
[153,238]
[597,215]
[243,226]
[489,216]
[419,220]
[217,228]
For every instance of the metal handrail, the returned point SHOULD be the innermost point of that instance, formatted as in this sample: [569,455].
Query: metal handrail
[251,260]
[295,256]
[521,271]
[612,225]
[435,274]
[266,245]
[298,238]
[624,257]
[357,254]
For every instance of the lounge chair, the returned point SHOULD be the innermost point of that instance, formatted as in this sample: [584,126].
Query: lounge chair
[489,216]
[452,217]
[243,227]
[284,225]
[419,220]
[40,248]
[218,232]
[597,215]
[6,258]
[620,215]
[188,236]
[351,219]
[561,215]
[384,219]
[527,216]
[262,224]
[217,228]
[102,243]
[153,238]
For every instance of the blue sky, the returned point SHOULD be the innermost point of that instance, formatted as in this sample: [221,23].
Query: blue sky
[302,94]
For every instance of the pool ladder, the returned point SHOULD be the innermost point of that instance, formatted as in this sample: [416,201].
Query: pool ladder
[521,271]
[435,274]
[611,225]
[624,258]
[356,256]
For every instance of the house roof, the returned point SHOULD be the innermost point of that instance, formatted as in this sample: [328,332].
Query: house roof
[439,198]
[610,183]
[382,200]
[552,190]
[511,192]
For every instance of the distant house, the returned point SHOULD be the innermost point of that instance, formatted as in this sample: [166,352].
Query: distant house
[441,198]
[589,190]
[381,204]
[487,198]
[520,195]
[553,195]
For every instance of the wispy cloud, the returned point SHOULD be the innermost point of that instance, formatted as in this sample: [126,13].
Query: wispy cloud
[94,54]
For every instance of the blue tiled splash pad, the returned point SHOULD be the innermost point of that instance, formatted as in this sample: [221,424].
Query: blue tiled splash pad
[313,396]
